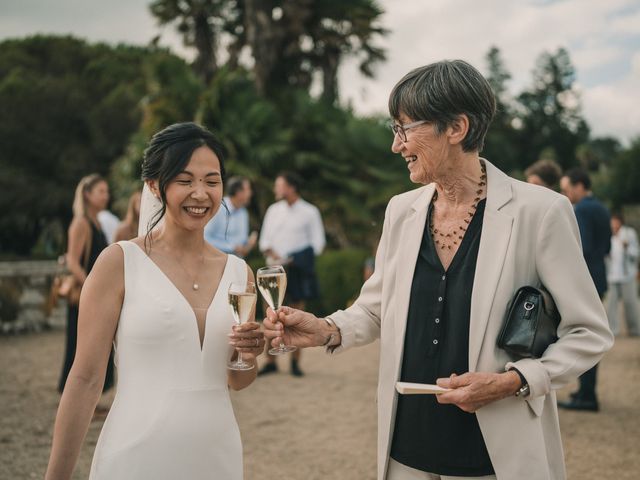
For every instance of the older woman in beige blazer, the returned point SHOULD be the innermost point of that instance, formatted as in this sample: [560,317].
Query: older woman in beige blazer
[451,256]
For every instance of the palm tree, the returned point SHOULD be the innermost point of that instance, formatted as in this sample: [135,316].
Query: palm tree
[292,39]
[200,22]
[340,28]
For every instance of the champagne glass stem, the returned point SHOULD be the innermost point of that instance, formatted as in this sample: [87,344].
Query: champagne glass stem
[282,345]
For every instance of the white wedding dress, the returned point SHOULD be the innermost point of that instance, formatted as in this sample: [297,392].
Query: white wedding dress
[172,417]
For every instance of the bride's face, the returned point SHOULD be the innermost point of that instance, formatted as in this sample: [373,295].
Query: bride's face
[195,194]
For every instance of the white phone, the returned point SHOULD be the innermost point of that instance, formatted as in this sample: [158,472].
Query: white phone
[406,388]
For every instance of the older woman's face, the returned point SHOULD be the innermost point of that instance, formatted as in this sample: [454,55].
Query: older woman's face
[425,150]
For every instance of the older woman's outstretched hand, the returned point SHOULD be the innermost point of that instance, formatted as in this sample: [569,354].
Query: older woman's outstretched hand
[474,390]
[301,329]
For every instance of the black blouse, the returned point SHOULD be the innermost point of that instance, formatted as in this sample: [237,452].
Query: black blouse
[428,436]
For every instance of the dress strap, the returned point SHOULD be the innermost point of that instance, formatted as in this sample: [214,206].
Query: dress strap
[129,264]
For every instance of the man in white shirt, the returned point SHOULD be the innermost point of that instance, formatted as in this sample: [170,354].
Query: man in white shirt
[292,235]
[623,270]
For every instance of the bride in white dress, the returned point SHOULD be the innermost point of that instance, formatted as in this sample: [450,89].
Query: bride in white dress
[161,299]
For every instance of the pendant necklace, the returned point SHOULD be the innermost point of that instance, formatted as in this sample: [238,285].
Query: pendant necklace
[194,279]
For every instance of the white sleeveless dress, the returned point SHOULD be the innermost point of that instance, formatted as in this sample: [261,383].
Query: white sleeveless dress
[172,417]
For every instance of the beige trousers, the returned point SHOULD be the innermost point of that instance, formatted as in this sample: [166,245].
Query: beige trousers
[398,471]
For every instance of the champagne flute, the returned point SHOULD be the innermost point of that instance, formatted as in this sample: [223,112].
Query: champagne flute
[272,283]
[242,299]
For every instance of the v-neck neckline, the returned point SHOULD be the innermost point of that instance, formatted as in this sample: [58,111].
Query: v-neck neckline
[201,341]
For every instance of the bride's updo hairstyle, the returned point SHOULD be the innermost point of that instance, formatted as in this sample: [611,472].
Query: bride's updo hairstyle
[168,154]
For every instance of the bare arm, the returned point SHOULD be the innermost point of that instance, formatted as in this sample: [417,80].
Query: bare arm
[100,305]
[244,340]
[78,235]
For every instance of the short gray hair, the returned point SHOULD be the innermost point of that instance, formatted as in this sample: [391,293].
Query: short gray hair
[442,91]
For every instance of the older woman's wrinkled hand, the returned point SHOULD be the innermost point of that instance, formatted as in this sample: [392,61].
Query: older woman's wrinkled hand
[294,327]
[473,390]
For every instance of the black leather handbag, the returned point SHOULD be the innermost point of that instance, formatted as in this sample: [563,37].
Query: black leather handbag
[531,324]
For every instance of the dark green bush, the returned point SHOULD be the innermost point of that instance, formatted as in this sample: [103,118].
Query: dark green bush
[340,276]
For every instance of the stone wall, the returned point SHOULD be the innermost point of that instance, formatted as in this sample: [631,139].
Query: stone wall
[24,297]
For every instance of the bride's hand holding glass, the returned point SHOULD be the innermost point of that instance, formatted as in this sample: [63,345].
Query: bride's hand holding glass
[246,336]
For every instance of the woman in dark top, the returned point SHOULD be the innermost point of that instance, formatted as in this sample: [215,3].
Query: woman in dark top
[451,256]
[85,235]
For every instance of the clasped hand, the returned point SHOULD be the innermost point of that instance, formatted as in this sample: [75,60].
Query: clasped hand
[292,327]
[474,390]
[247,339]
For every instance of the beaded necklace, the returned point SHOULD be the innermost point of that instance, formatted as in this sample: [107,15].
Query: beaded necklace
[448,240]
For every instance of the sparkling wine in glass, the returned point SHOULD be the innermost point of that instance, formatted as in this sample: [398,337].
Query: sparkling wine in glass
[242,299]
[272,283]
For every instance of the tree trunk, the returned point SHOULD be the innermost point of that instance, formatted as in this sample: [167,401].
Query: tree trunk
[262,39]
[205,42]
[330,65]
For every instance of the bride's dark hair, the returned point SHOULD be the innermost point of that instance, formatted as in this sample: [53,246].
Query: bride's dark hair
[168,154]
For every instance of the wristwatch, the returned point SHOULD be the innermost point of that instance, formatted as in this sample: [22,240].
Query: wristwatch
[524,390]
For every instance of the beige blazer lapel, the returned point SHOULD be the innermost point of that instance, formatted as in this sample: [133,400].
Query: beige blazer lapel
[409,243]
[494,241]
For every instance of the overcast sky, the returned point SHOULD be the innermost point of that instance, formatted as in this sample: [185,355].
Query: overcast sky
[602,37]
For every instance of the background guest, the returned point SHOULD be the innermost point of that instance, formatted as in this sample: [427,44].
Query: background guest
[229,229]
[622,276]
[595,235]
[452,254]
[85,242]
[544,172]
[292,235]
[128,228]
[109,223]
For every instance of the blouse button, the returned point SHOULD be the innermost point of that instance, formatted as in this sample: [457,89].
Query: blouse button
[437,320]
[435,342]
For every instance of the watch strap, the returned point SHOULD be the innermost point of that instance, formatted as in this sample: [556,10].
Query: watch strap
[524,390]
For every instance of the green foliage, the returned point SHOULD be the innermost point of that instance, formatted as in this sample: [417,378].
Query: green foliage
[340,277]
[68,109]
[625,176]
[550,111]
[349,170]
[200,24]
[501,142]
[598,152]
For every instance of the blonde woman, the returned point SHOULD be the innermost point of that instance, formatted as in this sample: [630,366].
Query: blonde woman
[85,242]
[128,228]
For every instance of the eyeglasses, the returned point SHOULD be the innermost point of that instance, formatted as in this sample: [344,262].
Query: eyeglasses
[401,130]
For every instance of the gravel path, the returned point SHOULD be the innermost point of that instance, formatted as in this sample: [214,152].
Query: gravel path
[317,427]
